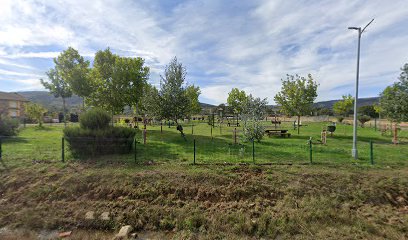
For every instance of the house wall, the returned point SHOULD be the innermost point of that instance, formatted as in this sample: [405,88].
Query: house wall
[12,108]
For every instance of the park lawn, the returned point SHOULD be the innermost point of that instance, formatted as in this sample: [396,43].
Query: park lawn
[219,197]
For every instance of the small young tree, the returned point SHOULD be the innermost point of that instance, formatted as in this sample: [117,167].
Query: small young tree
[193,92]
[344,107]
[36,112]
[253,112]
[58,87]
[297,95]
[363,119]
[368,110]
[236,101]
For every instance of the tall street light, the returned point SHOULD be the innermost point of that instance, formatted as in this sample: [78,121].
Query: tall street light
[354,151]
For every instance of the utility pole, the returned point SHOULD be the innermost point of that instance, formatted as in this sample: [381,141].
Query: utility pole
[354,151]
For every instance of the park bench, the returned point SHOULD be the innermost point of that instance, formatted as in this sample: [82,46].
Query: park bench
[277,132]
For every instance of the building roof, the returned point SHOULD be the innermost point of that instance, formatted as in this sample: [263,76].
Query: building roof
[12,96]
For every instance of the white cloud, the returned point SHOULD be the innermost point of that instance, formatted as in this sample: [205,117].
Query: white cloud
[250,44]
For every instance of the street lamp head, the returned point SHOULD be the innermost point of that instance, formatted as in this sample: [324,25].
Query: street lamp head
[354,28]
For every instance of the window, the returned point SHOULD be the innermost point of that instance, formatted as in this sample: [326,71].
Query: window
[13,104]
[13,113]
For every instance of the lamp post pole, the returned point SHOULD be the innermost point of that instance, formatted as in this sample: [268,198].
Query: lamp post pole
[354,151]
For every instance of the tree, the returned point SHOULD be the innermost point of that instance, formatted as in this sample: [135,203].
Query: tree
[149,103]
[175,103]
[36,112]
[253,112]
[119,81]
[344,107]
[236,101]
[368,110]
[394,99]
[363,119]
[297,95]
[58,87]
[193,92]
[74,70]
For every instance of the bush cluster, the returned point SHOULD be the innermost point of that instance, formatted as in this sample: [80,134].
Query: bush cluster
[8,126]
[95,137]
[95,118]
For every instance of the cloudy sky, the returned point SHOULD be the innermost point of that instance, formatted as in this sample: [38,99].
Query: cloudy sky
[223,44]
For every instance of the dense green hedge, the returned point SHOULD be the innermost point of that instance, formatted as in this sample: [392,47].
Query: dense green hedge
[89,142]
[95,118]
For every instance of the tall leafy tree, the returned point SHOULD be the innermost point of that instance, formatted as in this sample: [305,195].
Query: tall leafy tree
[74,70]
[236,101]
[149,103]
[119,81]
[58,87]
[176,101]
[297,95]
[394,99]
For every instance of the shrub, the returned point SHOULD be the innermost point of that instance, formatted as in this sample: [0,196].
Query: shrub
[8,126]
[340,119]
[363,119]
[95,118]
[85,142]
[253,131]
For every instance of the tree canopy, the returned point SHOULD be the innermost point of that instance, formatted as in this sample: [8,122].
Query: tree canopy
[394,98]
[297,95]
[345,106]
[236,100]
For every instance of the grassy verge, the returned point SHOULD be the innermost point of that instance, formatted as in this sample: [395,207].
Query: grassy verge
[333,198]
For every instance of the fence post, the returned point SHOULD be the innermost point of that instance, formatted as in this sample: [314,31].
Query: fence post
[310,150]
[161,127]
[194,152]
[253,151]
[1,149]
[63,149]
[192,128]
[134,150]
[211,134]
[371,153]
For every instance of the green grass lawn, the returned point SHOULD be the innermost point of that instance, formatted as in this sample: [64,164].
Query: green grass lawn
[162,192]
[217,146]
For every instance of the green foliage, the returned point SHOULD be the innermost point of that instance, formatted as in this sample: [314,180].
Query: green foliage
[94,119]
[85,142]
[149,104]
[394,99]
[236,100]
[57,86]
[74,70]
[368,110]
[35,112]
[176,101]
[345,106]
[363,119]
[297,95]
[192,93]
[8,126]
[119,81]
[252,114]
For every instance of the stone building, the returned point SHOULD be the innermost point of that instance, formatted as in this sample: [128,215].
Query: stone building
[12,104]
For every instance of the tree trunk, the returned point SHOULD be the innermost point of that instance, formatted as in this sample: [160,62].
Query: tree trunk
[395,140]
[298,125]
[64,112]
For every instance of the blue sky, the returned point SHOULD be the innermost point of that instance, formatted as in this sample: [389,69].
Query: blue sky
[251,45]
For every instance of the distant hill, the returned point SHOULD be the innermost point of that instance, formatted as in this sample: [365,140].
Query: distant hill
[50,102]
[361,102]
